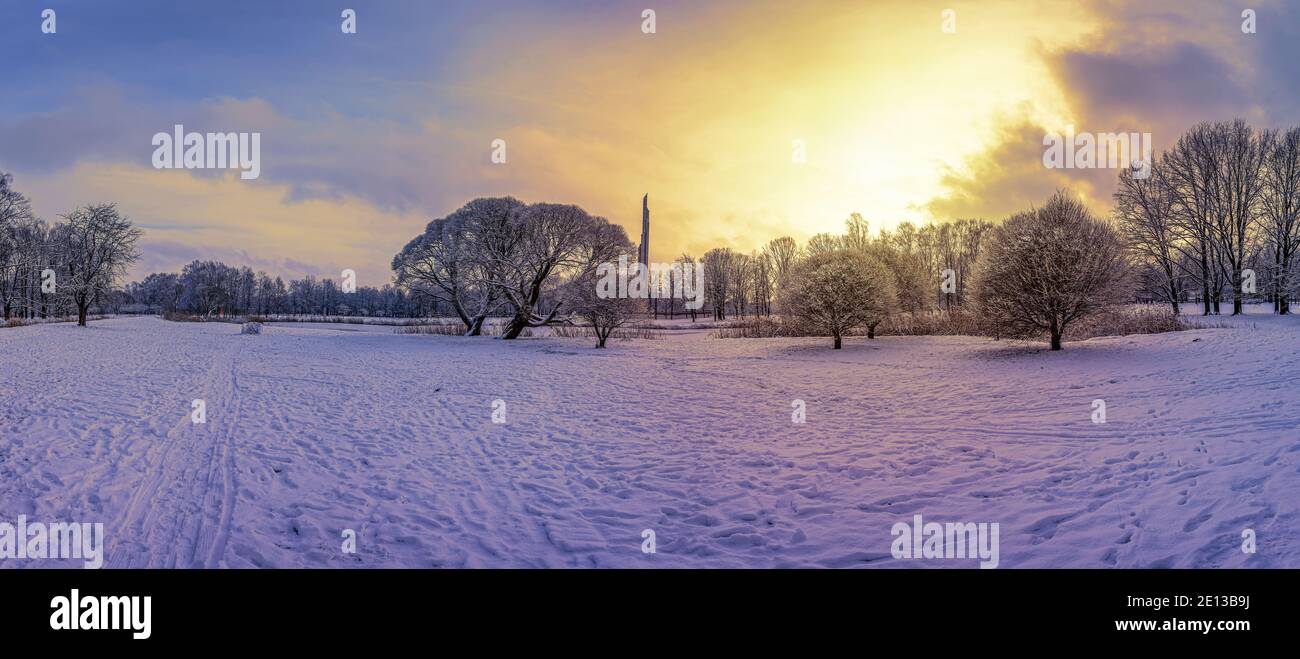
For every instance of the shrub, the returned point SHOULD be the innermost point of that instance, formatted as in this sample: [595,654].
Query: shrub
[1122,321]
[452,329]
[440,329]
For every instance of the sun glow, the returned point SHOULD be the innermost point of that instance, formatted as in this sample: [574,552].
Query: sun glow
[884,102]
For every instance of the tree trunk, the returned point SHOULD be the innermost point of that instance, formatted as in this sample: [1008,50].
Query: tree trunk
[81,314]
[1205,281]
[1173,288]
[1055,331]
[1236,291]
[1284,286]
[837,342]
[475,328]
[871,331]
[515,327]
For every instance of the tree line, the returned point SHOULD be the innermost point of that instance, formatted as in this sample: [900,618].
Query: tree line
[1218,215]
[214,289]
[739,284]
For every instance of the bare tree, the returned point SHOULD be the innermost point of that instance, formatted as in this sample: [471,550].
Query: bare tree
[1281,205]
[594,298]
[739,282]
[1145,210]
[1192,168]
[857,233]
[911,282]
[761,274]
[782,252]
[685,259]
[718,264]
[836,291]
[1043,269]
[98,245]
[822,243]
[15,216]
[1241,151]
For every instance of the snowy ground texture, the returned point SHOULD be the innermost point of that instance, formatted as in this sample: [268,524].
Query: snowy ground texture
[315,429]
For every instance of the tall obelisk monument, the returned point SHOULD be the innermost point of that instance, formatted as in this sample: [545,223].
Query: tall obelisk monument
[643,254]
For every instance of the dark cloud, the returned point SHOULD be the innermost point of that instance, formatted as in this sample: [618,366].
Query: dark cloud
[1162,91]
[1151,68]
[1007,178]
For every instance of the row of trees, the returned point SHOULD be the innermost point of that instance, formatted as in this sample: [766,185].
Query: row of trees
[534,263]
[1220,208]
[56,270]
[737,284]
[73,266]
[1037,273]
[212,288]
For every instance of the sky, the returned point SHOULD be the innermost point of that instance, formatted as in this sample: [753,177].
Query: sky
[366,137]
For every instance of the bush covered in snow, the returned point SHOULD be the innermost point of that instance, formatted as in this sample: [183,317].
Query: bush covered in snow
[1045,269]
[251,328]
[837,291]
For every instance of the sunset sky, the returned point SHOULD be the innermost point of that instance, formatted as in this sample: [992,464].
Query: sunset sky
[367,136]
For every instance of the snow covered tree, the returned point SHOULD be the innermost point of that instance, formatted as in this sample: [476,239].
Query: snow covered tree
[454,260]
[718,263]
[1043,269]
[97,244]
[911,283]
[161,291]
[782,253]
[1240,152]
[206,287]
[538,245]
[837,290]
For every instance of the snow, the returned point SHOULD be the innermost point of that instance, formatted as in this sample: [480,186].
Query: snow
[312,430]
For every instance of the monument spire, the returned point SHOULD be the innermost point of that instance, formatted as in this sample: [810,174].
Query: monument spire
[643,253]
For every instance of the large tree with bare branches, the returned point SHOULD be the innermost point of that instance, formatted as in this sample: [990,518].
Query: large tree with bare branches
[1145,210]
[450,262]
[97,244]
[539,246]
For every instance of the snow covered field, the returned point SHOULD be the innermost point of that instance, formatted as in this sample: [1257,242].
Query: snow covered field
[312,430]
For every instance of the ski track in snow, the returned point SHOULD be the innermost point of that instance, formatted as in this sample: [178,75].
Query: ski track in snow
[311,431]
